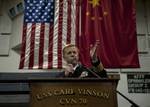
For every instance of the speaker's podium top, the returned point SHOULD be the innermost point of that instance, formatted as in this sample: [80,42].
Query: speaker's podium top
[74,92]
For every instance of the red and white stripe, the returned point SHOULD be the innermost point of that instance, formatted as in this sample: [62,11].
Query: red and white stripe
[42,43]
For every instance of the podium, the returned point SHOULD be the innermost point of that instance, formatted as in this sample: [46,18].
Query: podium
[73,92]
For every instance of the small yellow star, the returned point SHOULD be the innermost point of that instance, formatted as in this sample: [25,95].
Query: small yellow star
[87,13]
[95,3]
[105,13]
[100,18]
[92,18]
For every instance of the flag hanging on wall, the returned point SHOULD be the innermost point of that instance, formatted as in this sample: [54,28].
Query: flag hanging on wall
[48,26]
[113,23]
[51,24]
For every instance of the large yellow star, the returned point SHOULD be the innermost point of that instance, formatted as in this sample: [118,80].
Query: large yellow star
[95,3]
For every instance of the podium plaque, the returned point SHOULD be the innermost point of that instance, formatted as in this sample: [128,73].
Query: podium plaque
[71,92]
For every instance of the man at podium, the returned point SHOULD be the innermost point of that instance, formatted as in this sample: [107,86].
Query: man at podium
[74,68]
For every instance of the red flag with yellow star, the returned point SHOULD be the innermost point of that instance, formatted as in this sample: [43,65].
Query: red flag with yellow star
[112,22]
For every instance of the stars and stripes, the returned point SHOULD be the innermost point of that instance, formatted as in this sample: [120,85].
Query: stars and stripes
[48,26]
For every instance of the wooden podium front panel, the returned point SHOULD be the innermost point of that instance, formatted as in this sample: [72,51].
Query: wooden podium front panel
[73,94]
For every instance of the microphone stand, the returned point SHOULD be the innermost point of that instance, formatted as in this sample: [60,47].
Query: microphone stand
[133,103]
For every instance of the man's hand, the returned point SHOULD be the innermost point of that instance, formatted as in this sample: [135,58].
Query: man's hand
[68,69]
[93,50]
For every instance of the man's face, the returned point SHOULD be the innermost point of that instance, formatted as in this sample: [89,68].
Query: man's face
[71,55]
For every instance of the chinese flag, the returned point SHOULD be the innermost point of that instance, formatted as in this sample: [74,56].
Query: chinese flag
[113,23]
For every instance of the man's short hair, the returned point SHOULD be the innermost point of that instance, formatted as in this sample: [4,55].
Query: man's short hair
[67,46]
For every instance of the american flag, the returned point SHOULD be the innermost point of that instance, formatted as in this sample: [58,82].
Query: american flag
[48,26]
